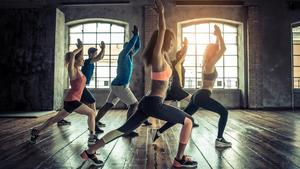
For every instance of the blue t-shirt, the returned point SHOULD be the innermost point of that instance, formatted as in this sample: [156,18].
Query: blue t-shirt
[88,70]
[125,63]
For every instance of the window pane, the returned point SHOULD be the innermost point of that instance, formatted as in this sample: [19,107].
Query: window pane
[230,38]
[113,72]
[189,29]
[231,83]
[199,61]
[104,61]
[296,60]
[117,28]
[231,50]
[114,60]
[202,38]
[117,38]
[230,72]
[116,49]
[190,37]
[76,29]
[103,37]
[189,61]
[296,49]
[189,82]
[231,60]
[89,38]
[202,28]
[220,62]
[90,27]
[220,71]
[191,50]
[229,28]
[219,83]
[201,49]
[102,71]
[296,82]
[296,71]
[190,72]
[103,82]
[74,37]
[103,27]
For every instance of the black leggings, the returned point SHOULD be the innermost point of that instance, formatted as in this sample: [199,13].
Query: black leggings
[202,99]
[149,106]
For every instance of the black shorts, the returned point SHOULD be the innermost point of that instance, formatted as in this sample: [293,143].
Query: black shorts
[70,106]
[176,94]
[87,97]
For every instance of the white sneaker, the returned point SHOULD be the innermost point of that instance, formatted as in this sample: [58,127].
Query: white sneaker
[222,143]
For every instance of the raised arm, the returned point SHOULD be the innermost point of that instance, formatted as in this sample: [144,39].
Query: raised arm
[220,43]
[158,58]
[71,66]
[137,46]
[100,56]
[180,55]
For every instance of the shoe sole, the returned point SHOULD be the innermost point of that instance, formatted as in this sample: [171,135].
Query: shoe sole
[183,166]
[86,158]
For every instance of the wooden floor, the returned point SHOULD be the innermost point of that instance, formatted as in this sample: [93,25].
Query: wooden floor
[260,140]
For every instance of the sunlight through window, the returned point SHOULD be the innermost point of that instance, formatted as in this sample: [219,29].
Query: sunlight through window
[92,34]
[199,36]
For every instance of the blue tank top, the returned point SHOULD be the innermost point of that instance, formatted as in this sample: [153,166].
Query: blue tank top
[125,63]
[88,70]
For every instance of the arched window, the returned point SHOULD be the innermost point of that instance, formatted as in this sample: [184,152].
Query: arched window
[199,36]
[92,33]
[296,57]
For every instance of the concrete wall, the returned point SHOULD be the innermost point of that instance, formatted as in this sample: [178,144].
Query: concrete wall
[59,60]
[27,59]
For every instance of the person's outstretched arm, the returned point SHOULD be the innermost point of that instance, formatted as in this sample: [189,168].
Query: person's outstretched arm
[100,56]
[222,47]
[158,58]
[71,66]
[132,41]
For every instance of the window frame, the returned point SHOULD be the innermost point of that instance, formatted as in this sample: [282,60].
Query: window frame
[196,66]
[111,65]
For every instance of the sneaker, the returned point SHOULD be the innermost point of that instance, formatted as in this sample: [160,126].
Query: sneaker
[222,143]
[92,140]
[155,135]
[195,125]
[91,158]
[132,134]
[147,123]
[34,135]
[98,130]
[99,124]
[63,122]
[185,162]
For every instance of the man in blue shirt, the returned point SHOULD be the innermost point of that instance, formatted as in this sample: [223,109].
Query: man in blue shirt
[120,85]
[88,70]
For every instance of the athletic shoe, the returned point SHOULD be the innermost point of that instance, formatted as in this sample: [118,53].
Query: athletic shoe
[92,140]
[34,135]
[185,162]
[147,123]
[99,124]
[222,143]
[195,125]
[91,158]
[132,134]
[63,122]
[98,130]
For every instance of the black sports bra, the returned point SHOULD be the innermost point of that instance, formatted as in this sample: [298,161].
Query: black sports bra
[211,76]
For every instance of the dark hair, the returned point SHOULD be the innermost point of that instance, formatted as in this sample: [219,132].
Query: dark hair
[148,52]
[68,57]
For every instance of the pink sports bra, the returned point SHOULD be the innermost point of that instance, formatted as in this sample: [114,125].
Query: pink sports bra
[163,75]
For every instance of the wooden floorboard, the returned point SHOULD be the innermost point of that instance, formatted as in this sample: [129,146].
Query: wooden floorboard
[261,139]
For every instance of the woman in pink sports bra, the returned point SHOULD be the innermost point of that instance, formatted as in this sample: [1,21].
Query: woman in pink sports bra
[156,56]
[72,102]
